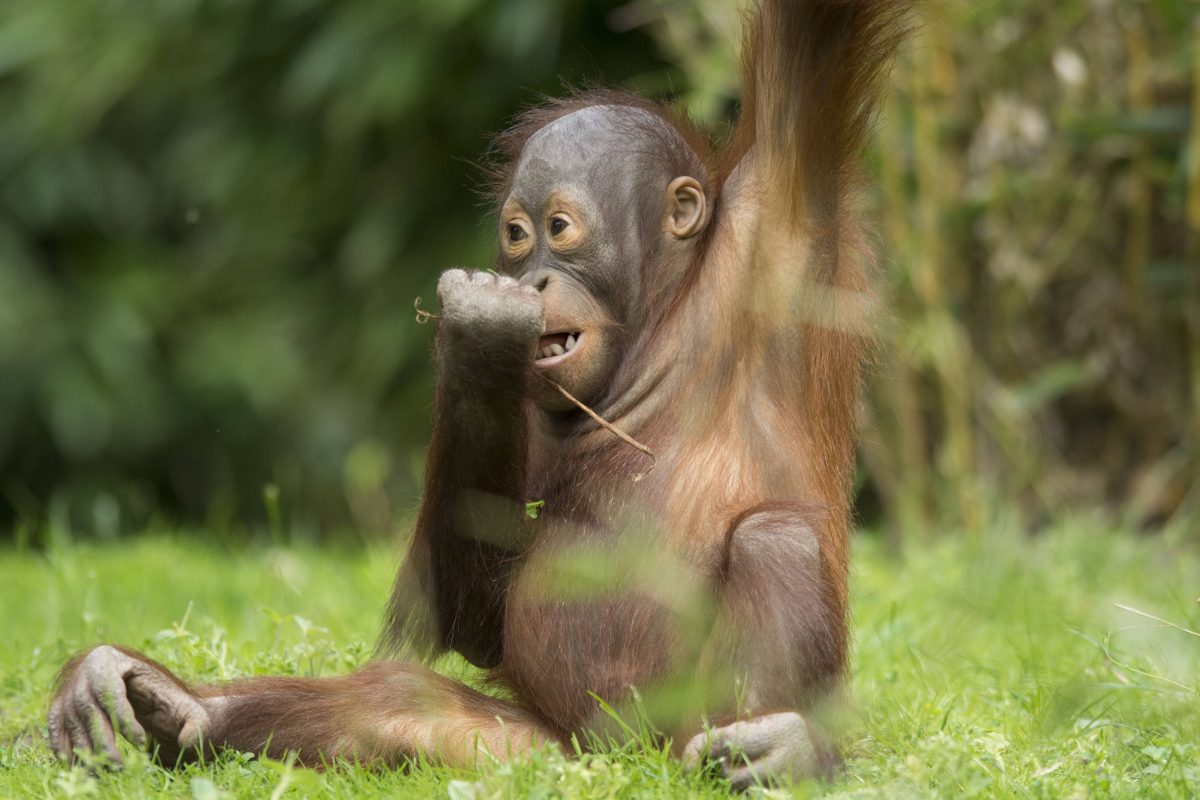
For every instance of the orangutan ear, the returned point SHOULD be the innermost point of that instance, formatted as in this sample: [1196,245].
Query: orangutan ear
[687,208]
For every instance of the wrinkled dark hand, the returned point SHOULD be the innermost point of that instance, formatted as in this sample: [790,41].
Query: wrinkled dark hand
[490,312]
[108,690]
[760,750]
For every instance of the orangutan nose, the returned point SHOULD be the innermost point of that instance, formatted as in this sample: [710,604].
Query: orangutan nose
[538,278]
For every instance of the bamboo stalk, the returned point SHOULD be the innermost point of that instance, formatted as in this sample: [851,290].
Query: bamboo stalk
[1193,219]
[1141,211]
[952,355]
[897,384]
[1193,197]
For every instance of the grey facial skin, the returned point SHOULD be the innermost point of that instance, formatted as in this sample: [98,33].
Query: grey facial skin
[588,158]
[610,168]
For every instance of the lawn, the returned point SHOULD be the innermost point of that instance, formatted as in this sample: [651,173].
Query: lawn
[1062,665]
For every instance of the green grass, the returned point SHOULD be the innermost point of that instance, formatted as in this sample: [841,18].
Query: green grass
[1006,668]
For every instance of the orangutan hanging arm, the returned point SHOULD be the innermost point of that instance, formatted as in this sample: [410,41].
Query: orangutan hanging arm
[812,75]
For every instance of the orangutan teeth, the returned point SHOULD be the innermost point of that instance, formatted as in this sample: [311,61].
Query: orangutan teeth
[557,344]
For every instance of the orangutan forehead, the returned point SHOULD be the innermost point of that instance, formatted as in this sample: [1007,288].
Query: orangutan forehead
[619,134]
[611,144]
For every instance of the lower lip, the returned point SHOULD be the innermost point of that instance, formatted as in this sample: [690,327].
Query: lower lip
[555,360]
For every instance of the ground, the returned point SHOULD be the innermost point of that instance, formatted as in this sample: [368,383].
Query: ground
[1059,665]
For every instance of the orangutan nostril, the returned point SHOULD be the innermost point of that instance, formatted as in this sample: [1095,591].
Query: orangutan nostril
[539,279]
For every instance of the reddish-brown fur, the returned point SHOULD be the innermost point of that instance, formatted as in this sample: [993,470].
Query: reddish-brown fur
[740,371]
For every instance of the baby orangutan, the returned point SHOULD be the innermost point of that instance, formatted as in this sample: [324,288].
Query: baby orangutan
[708,303]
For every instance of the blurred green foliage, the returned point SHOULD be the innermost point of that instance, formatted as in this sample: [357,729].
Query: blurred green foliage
[215,216]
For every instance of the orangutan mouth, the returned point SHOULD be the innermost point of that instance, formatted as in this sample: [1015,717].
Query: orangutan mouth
[555,346]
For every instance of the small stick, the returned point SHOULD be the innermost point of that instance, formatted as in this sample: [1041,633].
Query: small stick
[608,426]
[423,316]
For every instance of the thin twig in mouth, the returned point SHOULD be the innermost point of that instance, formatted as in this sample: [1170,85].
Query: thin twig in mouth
[608,426]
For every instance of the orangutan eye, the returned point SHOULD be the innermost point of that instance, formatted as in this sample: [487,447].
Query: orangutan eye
[516,233]
[558,225]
